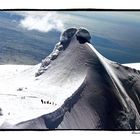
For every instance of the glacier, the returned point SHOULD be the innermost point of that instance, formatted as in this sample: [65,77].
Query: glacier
[75,87]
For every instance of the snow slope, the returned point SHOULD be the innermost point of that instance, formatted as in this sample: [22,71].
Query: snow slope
[133,65]
[75,87]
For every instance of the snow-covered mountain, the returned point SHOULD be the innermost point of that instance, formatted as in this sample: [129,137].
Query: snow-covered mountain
[75,87]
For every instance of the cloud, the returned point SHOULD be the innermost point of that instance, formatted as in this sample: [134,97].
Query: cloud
[41,21]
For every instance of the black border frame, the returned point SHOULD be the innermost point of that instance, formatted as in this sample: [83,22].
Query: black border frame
[73,9]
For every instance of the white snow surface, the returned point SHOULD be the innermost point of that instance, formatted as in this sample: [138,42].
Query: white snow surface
[24,96]
[133,65]
[21,93]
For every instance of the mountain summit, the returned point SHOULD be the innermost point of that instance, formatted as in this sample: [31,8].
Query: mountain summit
[75,87]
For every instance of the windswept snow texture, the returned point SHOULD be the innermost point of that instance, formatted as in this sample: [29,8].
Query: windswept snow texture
[75,88]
